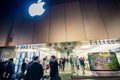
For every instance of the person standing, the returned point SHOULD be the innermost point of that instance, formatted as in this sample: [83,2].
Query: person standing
[53,68]
[35,70]
[72,64]
[23,68]
[1,69]
[82,63]
[47,63]
[47,60]
[44,65]
[60,63]
[67,60]
[9,70]
[77,62]
[63,63]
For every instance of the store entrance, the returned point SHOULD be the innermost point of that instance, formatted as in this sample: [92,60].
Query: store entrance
[82,58]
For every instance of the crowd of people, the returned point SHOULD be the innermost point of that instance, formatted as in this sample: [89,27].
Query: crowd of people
[62,62]
[77,62]
[35,69]
[6,69]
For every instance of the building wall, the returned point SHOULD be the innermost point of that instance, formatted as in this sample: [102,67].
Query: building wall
[72,21]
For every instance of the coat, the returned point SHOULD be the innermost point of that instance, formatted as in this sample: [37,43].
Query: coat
[1,70]
[34,71]
[54,67]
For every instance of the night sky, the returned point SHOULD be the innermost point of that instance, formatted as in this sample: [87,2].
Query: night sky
[8,8]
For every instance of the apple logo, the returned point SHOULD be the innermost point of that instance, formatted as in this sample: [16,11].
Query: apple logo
[36,9]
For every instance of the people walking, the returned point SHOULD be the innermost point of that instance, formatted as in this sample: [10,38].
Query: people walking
[1,69]
[35,70]
[77,62]
[67,61]
[23,69]
[44,65]
[60,63]
[72,64]
[53,68]
[9,70]
[82,63]
[63,63]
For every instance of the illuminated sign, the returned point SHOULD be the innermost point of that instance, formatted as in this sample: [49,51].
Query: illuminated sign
[106,41]
[37,9]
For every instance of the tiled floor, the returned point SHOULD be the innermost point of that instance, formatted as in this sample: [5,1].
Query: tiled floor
[89,75]
[66,75]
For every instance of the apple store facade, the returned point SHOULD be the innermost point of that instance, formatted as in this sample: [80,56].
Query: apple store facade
[77,20]
[72,27]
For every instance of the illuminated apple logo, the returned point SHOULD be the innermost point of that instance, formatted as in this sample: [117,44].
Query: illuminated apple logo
[36,9]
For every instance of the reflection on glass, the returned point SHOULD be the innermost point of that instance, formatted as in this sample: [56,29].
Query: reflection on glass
[18,55]
[23,55]
[30,60]
[16,68]
[31,54]
[17,61]
[37,54]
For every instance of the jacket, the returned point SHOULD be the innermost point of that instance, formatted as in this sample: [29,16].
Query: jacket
[34,71]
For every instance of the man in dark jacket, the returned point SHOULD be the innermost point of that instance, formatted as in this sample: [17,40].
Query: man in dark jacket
[63,63]
[23,69]
[9,70]
[1,69]
[53,68]
[35,70]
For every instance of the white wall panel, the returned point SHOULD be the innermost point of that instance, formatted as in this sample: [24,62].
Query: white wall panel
[26,32]
[74,23]
[93,23]
[111,16]
[41,31]
[17,26]
[5,28]
[57,24]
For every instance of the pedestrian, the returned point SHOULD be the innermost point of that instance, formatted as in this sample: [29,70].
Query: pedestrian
[44,65]
[35,70]
[63,63]
[54,68]
[23,69]
[47,63]
[67,60]
[47,60]
[1,69]
[31,61]
[82,63]
[72,64]
[77,62]
[60,63]
[9,69]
